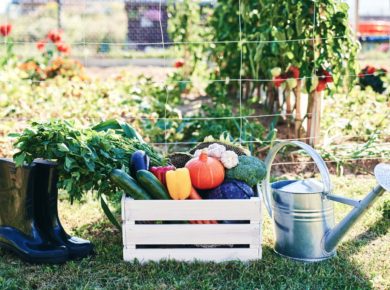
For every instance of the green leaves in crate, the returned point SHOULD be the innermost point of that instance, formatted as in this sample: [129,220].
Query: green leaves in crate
[85,157]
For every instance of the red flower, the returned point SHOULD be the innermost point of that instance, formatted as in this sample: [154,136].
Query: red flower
[278,81]
[41,45]
[370,70]
[62,47]
[5,29]
[54,36]
[179,63]
[294,71]
[321,85]
[361,75]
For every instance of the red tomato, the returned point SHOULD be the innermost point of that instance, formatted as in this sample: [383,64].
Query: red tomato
[54,36]
[61,47]
[41,45]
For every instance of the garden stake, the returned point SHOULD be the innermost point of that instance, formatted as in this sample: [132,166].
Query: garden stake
[302,210]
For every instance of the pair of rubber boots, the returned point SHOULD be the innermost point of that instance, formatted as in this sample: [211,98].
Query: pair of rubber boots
[29,223]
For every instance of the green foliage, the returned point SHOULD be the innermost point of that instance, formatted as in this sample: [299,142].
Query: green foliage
[250,169]
[7,56]
[216,120]
[376,79]
[306,34]
[357,115]
[85,157]
[343,155]
[188,28]
[386,210]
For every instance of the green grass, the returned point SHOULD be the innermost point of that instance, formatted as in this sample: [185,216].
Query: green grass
[362,261]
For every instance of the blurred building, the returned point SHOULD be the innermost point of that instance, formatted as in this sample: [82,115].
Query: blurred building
[147,23]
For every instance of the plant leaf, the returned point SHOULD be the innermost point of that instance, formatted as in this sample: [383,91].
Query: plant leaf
[109,214]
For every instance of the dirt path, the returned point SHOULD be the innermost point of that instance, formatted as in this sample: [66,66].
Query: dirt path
[158,73]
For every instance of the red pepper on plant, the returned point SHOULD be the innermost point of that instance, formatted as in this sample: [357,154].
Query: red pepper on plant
[328,76]
[278,81]
[370,70]
[294,72]
[161,171]
[5,29]
[321,85]
[179,63]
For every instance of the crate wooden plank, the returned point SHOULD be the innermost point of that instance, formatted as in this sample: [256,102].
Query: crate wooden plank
[216,255]
[182,234]
[238,209]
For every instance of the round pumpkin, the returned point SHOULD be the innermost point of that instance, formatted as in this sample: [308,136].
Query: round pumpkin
[206,172]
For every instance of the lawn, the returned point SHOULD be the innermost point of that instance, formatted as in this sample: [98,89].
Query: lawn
[218,81]
[362,261]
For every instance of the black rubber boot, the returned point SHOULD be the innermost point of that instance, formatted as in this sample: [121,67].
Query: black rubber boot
[47,215]
[19,232]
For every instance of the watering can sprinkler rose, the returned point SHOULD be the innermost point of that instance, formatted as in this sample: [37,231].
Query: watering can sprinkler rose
[302,210]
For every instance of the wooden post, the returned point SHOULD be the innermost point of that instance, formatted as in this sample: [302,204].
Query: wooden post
[298,114]
[309,112]
[315,126]
[287,94]
[59,14]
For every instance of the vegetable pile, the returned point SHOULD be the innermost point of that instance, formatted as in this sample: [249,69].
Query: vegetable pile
[111,157]
[212,170]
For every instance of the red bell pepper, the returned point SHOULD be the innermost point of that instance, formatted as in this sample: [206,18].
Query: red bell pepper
[160,172]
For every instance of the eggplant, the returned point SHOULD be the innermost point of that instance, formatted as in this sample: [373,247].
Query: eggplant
[138,161]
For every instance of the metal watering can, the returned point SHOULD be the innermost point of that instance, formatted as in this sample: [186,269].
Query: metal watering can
[302,210]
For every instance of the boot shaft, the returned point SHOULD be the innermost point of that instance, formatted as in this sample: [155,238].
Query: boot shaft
[46,193]
[16,196]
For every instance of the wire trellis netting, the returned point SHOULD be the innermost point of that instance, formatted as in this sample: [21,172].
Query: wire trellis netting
[120,33]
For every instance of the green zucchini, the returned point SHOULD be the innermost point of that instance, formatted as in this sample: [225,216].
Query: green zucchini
[152,185]
[128,184]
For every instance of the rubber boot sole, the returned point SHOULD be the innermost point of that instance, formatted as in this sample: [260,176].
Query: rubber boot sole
[58,259]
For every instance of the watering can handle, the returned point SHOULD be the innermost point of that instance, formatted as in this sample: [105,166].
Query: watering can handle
[266,186]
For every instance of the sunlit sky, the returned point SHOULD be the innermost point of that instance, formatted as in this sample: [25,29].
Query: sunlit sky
[367,7]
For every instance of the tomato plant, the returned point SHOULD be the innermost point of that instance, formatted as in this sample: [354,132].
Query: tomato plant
[312,37]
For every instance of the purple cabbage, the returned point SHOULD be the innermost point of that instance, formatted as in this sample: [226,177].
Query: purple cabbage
[232,189]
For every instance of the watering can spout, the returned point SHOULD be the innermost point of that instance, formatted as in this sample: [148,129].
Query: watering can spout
[333,237]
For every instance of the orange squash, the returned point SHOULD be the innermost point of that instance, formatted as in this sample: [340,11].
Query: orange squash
[206,172]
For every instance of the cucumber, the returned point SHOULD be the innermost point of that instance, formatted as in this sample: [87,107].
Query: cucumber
[128,184]
[152,185]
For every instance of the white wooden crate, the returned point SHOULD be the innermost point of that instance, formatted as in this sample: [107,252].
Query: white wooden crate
[177,241]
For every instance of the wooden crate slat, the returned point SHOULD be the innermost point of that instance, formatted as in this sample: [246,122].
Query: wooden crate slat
[216,255]
[191,234]
[239,209]
[182,234]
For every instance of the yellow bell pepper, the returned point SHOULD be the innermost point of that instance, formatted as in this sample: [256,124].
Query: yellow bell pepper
[179,183]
